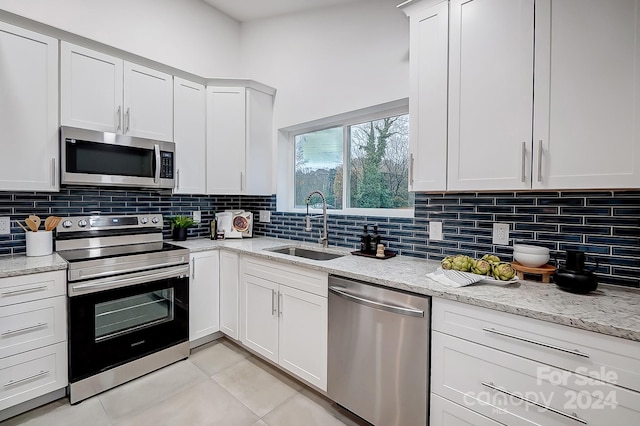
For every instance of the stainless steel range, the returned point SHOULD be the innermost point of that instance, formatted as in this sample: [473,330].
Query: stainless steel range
[128,300]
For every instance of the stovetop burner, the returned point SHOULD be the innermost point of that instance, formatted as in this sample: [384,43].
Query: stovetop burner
[80,255]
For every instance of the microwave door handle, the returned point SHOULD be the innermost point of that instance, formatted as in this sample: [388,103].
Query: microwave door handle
[156,149]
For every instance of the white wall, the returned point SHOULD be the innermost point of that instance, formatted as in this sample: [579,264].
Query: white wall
[185,34]
[330,61]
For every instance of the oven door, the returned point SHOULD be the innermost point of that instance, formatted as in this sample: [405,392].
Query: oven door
[112,326]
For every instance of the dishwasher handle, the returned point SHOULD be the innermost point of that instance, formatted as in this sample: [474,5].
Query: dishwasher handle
[373,304]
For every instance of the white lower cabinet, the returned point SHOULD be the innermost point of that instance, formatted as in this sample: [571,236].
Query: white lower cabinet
[204,285]
[287,324]
[447,413]
[229,293]
[33,337]
[522,371]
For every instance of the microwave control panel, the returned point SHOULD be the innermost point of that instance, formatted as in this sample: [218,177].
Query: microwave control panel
[166,165]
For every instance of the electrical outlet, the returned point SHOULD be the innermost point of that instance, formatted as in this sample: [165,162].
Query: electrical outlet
[197,216]
[501,234]
[265,216]
[5,225]
[435,231]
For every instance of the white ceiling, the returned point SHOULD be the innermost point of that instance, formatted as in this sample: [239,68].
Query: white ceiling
[248,10]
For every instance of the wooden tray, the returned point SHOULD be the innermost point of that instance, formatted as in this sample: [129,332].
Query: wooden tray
[388,254]
[545,271]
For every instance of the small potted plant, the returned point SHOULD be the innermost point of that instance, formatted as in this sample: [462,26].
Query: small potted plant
[179,225]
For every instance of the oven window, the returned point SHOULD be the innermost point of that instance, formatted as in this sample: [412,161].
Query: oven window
[106,159]
[117,317]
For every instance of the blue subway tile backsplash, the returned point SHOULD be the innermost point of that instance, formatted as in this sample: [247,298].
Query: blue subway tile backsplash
[605,224]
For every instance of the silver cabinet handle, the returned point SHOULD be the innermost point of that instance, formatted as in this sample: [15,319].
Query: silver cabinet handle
[373,304]
[178,179]
[53,171]
[193,268]
[537,404]
[18,330]
[546,345]
[411,160]
[273,302]
[280,303]
[540,160]
[127,120]
[23,290]
[17,382]
[524,162]
[119,114]
[241,185]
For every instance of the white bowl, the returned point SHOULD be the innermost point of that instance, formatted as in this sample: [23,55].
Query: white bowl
[531,260]
[526,248]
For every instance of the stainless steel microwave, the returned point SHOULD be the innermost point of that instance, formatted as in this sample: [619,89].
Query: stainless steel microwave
[88,157]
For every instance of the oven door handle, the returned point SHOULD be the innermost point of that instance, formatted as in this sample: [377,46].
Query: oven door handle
[127,280]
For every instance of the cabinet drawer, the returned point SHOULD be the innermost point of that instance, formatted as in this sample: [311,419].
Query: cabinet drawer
[446,413]
[24,288]
[495,384]
[305,279]
[613,359]
[31,325]
[32,374]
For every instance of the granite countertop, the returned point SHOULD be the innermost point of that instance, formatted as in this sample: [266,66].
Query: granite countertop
[19,264]
[609,310]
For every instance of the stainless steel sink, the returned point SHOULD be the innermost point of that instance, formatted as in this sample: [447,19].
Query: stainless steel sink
[306,253]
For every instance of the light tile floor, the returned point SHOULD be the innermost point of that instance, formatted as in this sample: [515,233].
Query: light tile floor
[220,384]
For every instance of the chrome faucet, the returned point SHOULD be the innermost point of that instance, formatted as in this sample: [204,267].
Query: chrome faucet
[324,237]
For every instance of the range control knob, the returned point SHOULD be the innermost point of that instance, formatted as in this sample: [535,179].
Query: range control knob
[155,219]
[144,220]
[82,223]
[67,224]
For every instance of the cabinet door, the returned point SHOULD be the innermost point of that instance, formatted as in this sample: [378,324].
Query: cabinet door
[226,138]
[90,89]
[587,94]
[303,335]
[259,316]
[443,412]
[28,110]
[490,94]
[229,289]
[428,100]
[204,287]
[259,143]
[189,129]
[148,103]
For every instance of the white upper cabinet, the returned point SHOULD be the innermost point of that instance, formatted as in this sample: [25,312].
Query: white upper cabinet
[490,94]
[90,89]
[148,103]
[587,94]
[105,93]
[428,110]
[28,110]
[189,126]
[226,135]
[239,141]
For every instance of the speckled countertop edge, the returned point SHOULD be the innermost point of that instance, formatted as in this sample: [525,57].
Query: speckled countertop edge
[609,310]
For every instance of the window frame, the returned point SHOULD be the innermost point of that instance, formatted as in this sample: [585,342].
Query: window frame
[286,185]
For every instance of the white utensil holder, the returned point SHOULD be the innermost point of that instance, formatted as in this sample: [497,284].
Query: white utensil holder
[39,243]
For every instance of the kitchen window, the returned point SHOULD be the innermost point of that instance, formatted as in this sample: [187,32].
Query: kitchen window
[360,163]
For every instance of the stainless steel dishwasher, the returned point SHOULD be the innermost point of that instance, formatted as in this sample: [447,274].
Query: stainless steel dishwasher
[379,352]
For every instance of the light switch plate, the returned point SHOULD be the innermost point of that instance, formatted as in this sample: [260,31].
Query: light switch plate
[197,216]
[435,231]
[501,234]
[5,225]
[265,216]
